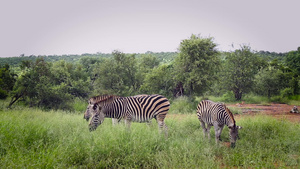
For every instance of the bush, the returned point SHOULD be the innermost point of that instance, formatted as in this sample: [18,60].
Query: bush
[286,92]
[183,105]
[255,99]
[228,97]
[3,94]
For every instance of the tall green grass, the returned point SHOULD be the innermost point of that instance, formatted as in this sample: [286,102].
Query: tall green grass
[183,105]
[31,138]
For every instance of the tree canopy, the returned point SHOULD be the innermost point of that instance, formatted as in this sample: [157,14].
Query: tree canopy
[197,69]
[197,64]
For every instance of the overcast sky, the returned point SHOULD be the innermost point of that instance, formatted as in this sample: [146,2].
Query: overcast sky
[40,27]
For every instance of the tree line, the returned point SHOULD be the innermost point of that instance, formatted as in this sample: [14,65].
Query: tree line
[197,69]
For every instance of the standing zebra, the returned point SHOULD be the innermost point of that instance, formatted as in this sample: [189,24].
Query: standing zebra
[87,114]
[217,115]
[140,108]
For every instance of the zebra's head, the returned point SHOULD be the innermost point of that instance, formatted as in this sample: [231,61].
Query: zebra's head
[87,113]
[234,134]
[97,116]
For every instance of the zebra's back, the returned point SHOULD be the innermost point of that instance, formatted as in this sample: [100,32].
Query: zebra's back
[210,112]
[146,107]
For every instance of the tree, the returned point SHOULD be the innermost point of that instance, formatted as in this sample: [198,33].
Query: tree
[240,68]
[293,62]
[32,73]
[49,86]
[116,75]
[159,81]
[72,75]
[106,78]
[145,64]
[269,82]
[197,64]
[7,81]
[126,68]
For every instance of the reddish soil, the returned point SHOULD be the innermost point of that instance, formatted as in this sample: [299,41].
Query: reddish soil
[279,111]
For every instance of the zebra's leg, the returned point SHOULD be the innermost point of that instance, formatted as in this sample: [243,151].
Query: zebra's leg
[149,123]
[114,121]
[204,128]
[162,126]
[218,131]
[208,130]
[127,123]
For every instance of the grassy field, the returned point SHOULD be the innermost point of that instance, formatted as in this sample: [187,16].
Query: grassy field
[31,138]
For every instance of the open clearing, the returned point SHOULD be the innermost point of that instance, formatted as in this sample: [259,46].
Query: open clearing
[279,111]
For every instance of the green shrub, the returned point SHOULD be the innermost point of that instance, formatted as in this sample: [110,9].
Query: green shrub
[183,105]
[286,92]
[228,97]
[251,98]
[79,105]
[3,94]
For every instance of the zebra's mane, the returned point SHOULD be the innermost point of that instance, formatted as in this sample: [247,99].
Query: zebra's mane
[101,98]
[229,113]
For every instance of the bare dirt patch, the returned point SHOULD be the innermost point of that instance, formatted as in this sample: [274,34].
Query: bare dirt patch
[279,111]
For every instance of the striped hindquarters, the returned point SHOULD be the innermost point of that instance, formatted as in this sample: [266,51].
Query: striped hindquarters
[144,108]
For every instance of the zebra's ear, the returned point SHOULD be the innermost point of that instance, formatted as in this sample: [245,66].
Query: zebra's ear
[239,127]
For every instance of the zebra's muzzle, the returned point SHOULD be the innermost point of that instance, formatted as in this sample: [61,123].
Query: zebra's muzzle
[232,145]
[92,128]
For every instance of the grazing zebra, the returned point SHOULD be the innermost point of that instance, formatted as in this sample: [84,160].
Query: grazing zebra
[95,99]
[217,115]
[140,108]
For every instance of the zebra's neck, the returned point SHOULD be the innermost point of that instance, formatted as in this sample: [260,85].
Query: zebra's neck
[113,110]
[229,121]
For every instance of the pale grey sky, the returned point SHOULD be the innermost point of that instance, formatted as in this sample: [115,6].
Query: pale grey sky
[41,27]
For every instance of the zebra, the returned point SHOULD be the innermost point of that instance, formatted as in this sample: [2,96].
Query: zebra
[132,109]
[99,98]
[217,115]
[95,99]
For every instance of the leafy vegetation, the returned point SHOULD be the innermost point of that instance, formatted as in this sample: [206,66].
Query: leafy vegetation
[197,64]
[198,69]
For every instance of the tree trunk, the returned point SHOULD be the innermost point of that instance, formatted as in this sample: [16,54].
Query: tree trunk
[238,94]
[16,97]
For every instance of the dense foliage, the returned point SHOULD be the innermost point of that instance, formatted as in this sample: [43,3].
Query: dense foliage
[239,70]
[197,69]
[197,64]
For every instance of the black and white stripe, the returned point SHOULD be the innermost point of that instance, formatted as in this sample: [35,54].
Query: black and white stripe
[132,109]
[96,99]
[217,115]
